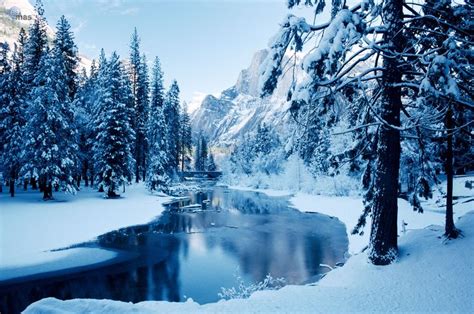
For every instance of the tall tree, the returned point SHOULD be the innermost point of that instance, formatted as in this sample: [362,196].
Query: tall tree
[12,115]
[157,159]
[211,164]
[172,118]
[201,154]
[115,137]
[140,89]
[5,101]
[185,136]
[141,117]
[99,93]
[50,150]
[84,117]
[443,92]
[64,44]
[35,45]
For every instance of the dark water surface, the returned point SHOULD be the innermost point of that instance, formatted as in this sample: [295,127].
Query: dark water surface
[194,251]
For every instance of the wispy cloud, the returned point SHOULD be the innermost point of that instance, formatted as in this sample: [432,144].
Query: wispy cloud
[120,7]
[129,11]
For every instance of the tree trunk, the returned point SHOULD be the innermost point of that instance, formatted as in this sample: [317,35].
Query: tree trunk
[34,186]
[12,187]
[383,237]
[450,230]
[25,185]
[144,158]
[48,191]
[138,158]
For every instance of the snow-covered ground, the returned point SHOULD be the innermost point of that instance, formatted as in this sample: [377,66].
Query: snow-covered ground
[431,275]
[30,227]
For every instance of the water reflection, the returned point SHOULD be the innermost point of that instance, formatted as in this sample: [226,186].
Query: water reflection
[193,252]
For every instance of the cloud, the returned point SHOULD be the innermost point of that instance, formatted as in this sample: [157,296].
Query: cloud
[129,11]
[120,7]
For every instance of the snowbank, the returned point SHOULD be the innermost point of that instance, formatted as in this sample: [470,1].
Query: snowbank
[29,226]
[430,276]
[45,262]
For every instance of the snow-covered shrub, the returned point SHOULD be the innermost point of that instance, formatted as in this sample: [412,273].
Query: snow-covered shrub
[243,290]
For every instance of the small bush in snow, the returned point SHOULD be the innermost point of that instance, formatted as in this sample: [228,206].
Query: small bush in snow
[244,291]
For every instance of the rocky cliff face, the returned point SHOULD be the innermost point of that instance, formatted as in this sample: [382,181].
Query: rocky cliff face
[239,109]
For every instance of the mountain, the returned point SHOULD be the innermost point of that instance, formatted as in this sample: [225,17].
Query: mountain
[17,14]
[239,109]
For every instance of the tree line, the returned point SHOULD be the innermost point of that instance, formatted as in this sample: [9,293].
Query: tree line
[60,126]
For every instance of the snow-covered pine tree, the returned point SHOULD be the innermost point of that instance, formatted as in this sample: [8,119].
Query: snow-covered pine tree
[201,154]
[84,109]
[172,118]
[35,45]
[5,100]
[64,42]
[185,136]
[141,117]
[441,87]
[115,137]
[210,163]
[140,89]
[12,118]
[98,93]
[157,159]
[50,149]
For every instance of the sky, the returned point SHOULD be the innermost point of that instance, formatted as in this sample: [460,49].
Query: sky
[203,44]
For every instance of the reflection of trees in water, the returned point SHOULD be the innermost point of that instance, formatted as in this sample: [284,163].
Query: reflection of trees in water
[253,203]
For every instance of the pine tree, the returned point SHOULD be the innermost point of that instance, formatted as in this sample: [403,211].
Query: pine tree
[115,137]
[185,136]
[140,90]
[141,117]
[172,118]
[99,81]
[5,101]
[211,164]
[35,45]
[12,118]
[50,149]
[64,43]
[83,103]
[157,159]
[441,33]
[201,154]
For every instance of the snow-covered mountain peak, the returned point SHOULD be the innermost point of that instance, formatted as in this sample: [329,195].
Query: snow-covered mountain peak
[247,82]
[239,109]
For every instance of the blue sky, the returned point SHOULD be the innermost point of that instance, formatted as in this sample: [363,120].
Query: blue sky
[201,43]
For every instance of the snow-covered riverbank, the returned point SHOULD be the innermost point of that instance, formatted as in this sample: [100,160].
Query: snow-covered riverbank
[30,228]
[431,275]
